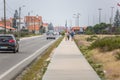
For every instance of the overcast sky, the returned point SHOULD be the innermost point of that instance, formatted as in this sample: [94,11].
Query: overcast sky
[58,11]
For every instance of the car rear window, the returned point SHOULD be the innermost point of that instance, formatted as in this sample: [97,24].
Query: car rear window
[5,38]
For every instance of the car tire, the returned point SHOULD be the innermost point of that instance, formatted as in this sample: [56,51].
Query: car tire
[14,51]
[17,50]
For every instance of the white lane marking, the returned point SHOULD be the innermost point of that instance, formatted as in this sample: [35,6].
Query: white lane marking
[30,37]
[11,69]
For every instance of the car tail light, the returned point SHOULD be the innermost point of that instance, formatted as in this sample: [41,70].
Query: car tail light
[11,41]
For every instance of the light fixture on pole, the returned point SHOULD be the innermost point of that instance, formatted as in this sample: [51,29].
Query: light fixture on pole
[19,31]
[77,19]
[29,21]
[4,17]
[111,19]
[34,19]
[99,15]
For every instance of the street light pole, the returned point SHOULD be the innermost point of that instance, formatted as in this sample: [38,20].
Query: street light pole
[34,24]
[112,14]
[19,22]
[19,29]
[29,21]
[99,15]
[5,16]
[111,19]
[77,19]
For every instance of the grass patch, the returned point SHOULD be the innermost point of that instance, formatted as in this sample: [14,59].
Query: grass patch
[92,38]
[104,61]
[97,66]
[117,54]
[38,68]
[107,43]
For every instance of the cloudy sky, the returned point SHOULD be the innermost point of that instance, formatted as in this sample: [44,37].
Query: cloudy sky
[58,11]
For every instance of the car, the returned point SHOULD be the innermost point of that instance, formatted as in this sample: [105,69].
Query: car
[8,42]
[50,35]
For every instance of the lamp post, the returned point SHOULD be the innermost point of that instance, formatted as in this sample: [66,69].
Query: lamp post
[5,16]
[111,19]
[34,24]
[19,22]
[28,24]
[19,32]
[39,24]
[77,19]
[99,15]
[29,21]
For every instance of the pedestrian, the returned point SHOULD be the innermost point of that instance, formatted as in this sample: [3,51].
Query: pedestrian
[72,35]
[67,35]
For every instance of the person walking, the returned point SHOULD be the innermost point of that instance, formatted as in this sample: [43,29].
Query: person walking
[67,35]
[72,35]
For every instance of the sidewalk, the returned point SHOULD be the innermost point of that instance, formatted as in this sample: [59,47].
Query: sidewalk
[68,63]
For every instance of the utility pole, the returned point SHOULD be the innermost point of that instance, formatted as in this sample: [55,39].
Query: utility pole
[19,22]
[4,17]
[19,27]
[78,14]
[28,24]
[28,18]
[34,24]
[88,20]
[111,19]
[77,19]
[99,15]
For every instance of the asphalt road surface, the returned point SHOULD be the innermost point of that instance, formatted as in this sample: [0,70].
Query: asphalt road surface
[30,48]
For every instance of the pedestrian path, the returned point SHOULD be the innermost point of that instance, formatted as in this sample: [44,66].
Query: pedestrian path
[68,63]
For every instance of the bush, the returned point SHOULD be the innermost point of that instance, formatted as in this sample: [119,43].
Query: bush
[107,43]
[92,38]
[117,55]
[62,33]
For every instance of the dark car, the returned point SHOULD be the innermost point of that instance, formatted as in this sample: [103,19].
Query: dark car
[8,42]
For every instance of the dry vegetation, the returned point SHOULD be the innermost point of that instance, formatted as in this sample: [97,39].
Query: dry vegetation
[36,70]
[110,64]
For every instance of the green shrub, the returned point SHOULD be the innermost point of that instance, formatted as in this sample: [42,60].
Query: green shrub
[62,33]
[36,70]
[117,55]
[107,43]
[92,38]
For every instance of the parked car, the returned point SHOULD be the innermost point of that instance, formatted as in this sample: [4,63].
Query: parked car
[8,42]
[50,35]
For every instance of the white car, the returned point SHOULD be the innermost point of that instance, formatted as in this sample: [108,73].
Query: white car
[50,35]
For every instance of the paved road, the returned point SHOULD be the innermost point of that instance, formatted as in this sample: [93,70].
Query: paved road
[30,48]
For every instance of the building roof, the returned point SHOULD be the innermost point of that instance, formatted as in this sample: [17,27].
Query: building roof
[45,24]
[7,27]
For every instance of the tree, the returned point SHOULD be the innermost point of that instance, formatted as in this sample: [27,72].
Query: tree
[100,28]
[89,30]
[50,26]
[15,19]
[117,19]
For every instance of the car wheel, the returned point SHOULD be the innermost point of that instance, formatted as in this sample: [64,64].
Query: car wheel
[14,51]
[17,50]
